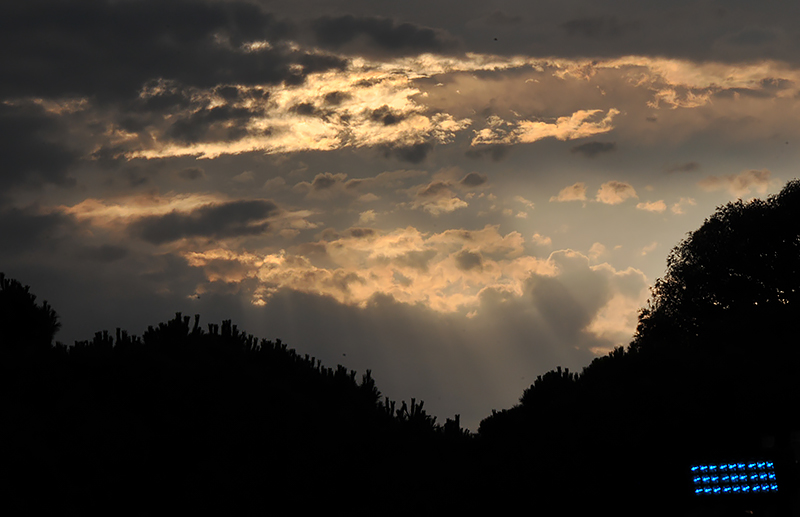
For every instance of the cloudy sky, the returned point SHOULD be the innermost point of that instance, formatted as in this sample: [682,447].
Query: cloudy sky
[459,196]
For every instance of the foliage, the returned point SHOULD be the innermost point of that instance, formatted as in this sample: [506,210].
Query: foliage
[743,263]
[23,322]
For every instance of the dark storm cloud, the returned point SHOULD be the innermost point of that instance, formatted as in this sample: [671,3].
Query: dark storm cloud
[105,253]
[383,33]
[418,260]
[109,49]
[775,84]
[500,18]
[26,230]
[599,27]
[466,260]
[592,149]
[336,98]
[434,189]
[360,233]
[304,108]
[494,151]
[473,180]
[192,173]
[31,148]
[232,219]
[221,123]
[386,115]
[415,153]
[325,181]
[685,167]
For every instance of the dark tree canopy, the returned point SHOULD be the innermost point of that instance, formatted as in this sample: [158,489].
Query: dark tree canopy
[742,266]
[23,322]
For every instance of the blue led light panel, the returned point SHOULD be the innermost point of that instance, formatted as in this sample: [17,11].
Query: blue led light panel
[751,477]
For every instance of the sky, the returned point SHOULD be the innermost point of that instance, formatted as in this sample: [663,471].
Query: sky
[458,196]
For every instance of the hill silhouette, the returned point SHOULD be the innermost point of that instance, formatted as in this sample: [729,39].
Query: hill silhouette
[186,419]
[191,420]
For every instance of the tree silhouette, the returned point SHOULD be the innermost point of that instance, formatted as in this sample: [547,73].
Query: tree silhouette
[742,264]
[711,373]
[24,324]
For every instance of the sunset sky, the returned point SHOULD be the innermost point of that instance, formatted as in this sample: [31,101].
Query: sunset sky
[458,196]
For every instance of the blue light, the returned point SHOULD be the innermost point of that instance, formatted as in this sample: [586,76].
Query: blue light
[751,477]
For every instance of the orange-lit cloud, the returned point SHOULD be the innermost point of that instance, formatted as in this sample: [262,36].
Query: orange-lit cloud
[576,192]
[654,206]
[739,184]
[615,192]
[581,124]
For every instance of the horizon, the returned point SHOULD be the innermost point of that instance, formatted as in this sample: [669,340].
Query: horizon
[458,200]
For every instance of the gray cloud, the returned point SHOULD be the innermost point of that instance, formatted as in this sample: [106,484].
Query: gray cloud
[105,253]
[592,149]
[305,108]
[191,173]
[387,116]
[434,189]
[415,153]
[32,149]
[466,260]
[232,219]
[500,18]
[685,167]
[473,180]
[496,152]
[383,33]
[24,230]
[220,123]
[416,259]
[336,98]
[326,180]
[59,45]
[360,233]
[599,27]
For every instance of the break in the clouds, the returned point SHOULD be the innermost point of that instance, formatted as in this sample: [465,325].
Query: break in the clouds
[344,176]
